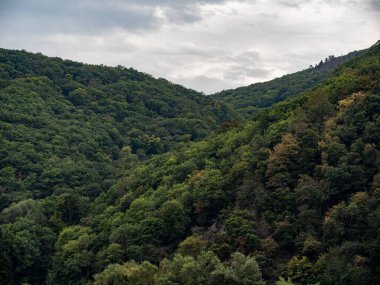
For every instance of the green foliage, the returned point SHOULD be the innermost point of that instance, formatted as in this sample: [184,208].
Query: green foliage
[65,125]
[282,281]
[240,227]
[203,269]
[73,260]
[26,249]
[192,245]
[345,264]
[300,270]
[101,183]
[250,99]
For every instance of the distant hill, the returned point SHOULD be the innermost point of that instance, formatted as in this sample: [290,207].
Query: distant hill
[68,126]
[247,100]
[141,107]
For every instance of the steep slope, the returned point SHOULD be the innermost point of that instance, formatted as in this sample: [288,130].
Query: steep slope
[67,127]
[151,113]
[249,99]
[298,189]
[67,130]
[47,145]
[296,192]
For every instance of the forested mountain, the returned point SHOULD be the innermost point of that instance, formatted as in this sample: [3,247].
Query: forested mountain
[249,99]
[149,113]
[289,197]
[67,127]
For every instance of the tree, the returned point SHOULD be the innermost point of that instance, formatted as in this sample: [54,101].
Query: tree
[300,270]
[319,108]
[192,245]
[74,260]
[240,227]
[283,162]
[112,275]
[246,269]
[26,251]
[282,281]
[174,218]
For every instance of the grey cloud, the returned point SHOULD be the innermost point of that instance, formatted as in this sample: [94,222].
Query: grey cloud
[207,84]
[247,57]
[244,65]
[175,11]
[289,3]
[185,11]
[75,16]
[191,50]
[189,14]
[238,73]
[375,4]
[84,16]
[172,2]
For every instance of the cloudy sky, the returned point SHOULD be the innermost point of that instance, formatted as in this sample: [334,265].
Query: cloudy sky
[207,45]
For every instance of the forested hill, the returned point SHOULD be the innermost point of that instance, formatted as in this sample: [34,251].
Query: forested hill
[291,197]
[67,126]
[249,99]
[149,114]
[296,193]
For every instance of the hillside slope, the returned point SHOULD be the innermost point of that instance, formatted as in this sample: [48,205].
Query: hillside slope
[298,189]
[294,193]
[138,105]
[248,100]
[68,127]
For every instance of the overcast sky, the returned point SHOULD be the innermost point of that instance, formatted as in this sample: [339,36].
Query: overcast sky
[207,45]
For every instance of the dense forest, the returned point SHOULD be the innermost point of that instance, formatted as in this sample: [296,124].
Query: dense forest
[68,127]
[248,100]
[109,176]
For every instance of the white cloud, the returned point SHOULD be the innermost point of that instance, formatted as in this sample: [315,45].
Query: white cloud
[205,45]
